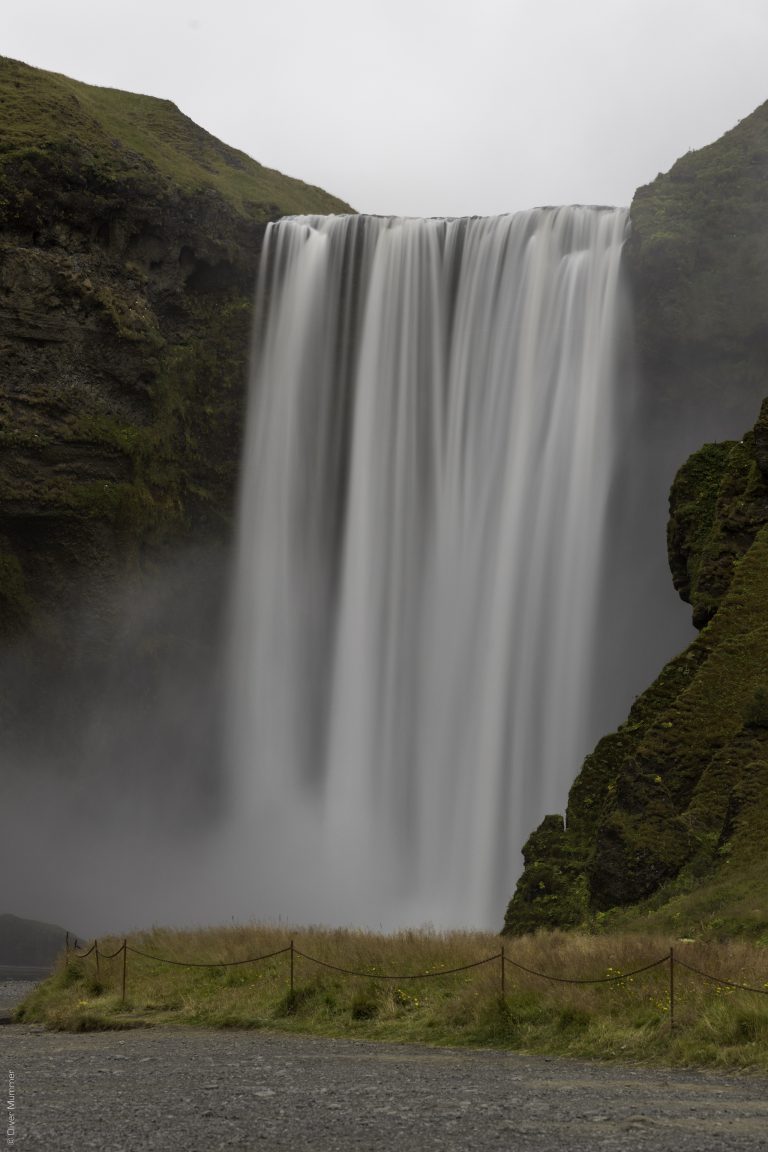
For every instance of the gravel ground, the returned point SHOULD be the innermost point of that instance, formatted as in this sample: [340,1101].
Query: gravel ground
[184,1091]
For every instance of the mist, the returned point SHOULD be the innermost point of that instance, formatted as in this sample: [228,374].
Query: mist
[111,745]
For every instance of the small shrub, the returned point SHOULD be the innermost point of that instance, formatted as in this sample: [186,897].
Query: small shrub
[749,1027]
[502,1021]
[70,974]
[570,1019]
[296,1000]
[365,1004]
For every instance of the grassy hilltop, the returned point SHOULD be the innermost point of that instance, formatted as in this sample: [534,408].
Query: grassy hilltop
[53,123]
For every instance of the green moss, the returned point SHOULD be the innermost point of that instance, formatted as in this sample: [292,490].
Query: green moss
[693,503]
[550,893]
[177,469]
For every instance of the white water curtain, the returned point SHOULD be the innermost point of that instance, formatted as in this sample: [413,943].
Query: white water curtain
[429,455]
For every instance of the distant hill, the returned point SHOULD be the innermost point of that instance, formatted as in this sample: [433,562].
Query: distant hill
[29,942]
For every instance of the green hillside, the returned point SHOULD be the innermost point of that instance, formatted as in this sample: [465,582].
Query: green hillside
[48,119]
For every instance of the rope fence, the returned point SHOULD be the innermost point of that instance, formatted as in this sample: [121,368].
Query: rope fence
[719,980]
[590,980]
[389,976]
[211,963]
[501,958]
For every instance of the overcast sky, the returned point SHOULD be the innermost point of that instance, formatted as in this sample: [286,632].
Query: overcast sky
[427,107]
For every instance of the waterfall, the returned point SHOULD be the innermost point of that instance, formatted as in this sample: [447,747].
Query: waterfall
[429,454]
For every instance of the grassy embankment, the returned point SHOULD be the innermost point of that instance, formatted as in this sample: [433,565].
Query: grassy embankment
[627,1019]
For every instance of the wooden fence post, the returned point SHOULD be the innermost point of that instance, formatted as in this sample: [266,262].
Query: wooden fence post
[671,989]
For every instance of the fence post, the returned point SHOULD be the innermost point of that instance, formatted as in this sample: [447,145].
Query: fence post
[503,989]
[671,989]
[291,967]
[125,965]
[96,951]
[66,950]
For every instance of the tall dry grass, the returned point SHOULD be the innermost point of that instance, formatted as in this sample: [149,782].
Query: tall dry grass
[627,1016]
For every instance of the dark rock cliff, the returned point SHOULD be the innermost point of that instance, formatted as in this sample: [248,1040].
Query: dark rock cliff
[663,825]
[129,242]
[698,258]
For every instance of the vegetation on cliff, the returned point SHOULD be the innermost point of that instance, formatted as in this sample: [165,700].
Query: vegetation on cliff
[667,814]
[98,138]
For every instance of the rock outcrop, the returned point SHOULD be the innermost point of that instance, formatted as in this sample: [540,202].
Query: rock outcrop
[698,258]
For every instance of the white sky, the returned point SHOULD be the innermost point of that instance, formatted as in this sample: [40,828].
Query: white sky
[427,107]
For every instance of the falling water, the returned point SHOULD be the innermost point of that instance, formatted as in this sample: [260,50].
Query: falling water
[429,456]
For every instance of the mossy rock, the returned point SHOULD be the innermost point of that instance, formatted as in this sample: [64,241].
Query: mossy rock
[679,792]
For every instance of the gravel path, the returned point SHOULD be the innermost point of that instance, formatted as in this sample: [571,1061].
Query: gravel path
[189,1091]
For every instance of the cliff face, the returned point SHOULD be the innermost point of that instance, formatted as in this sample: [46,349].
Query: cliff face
[663,825]
[129,242]
[698,258]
